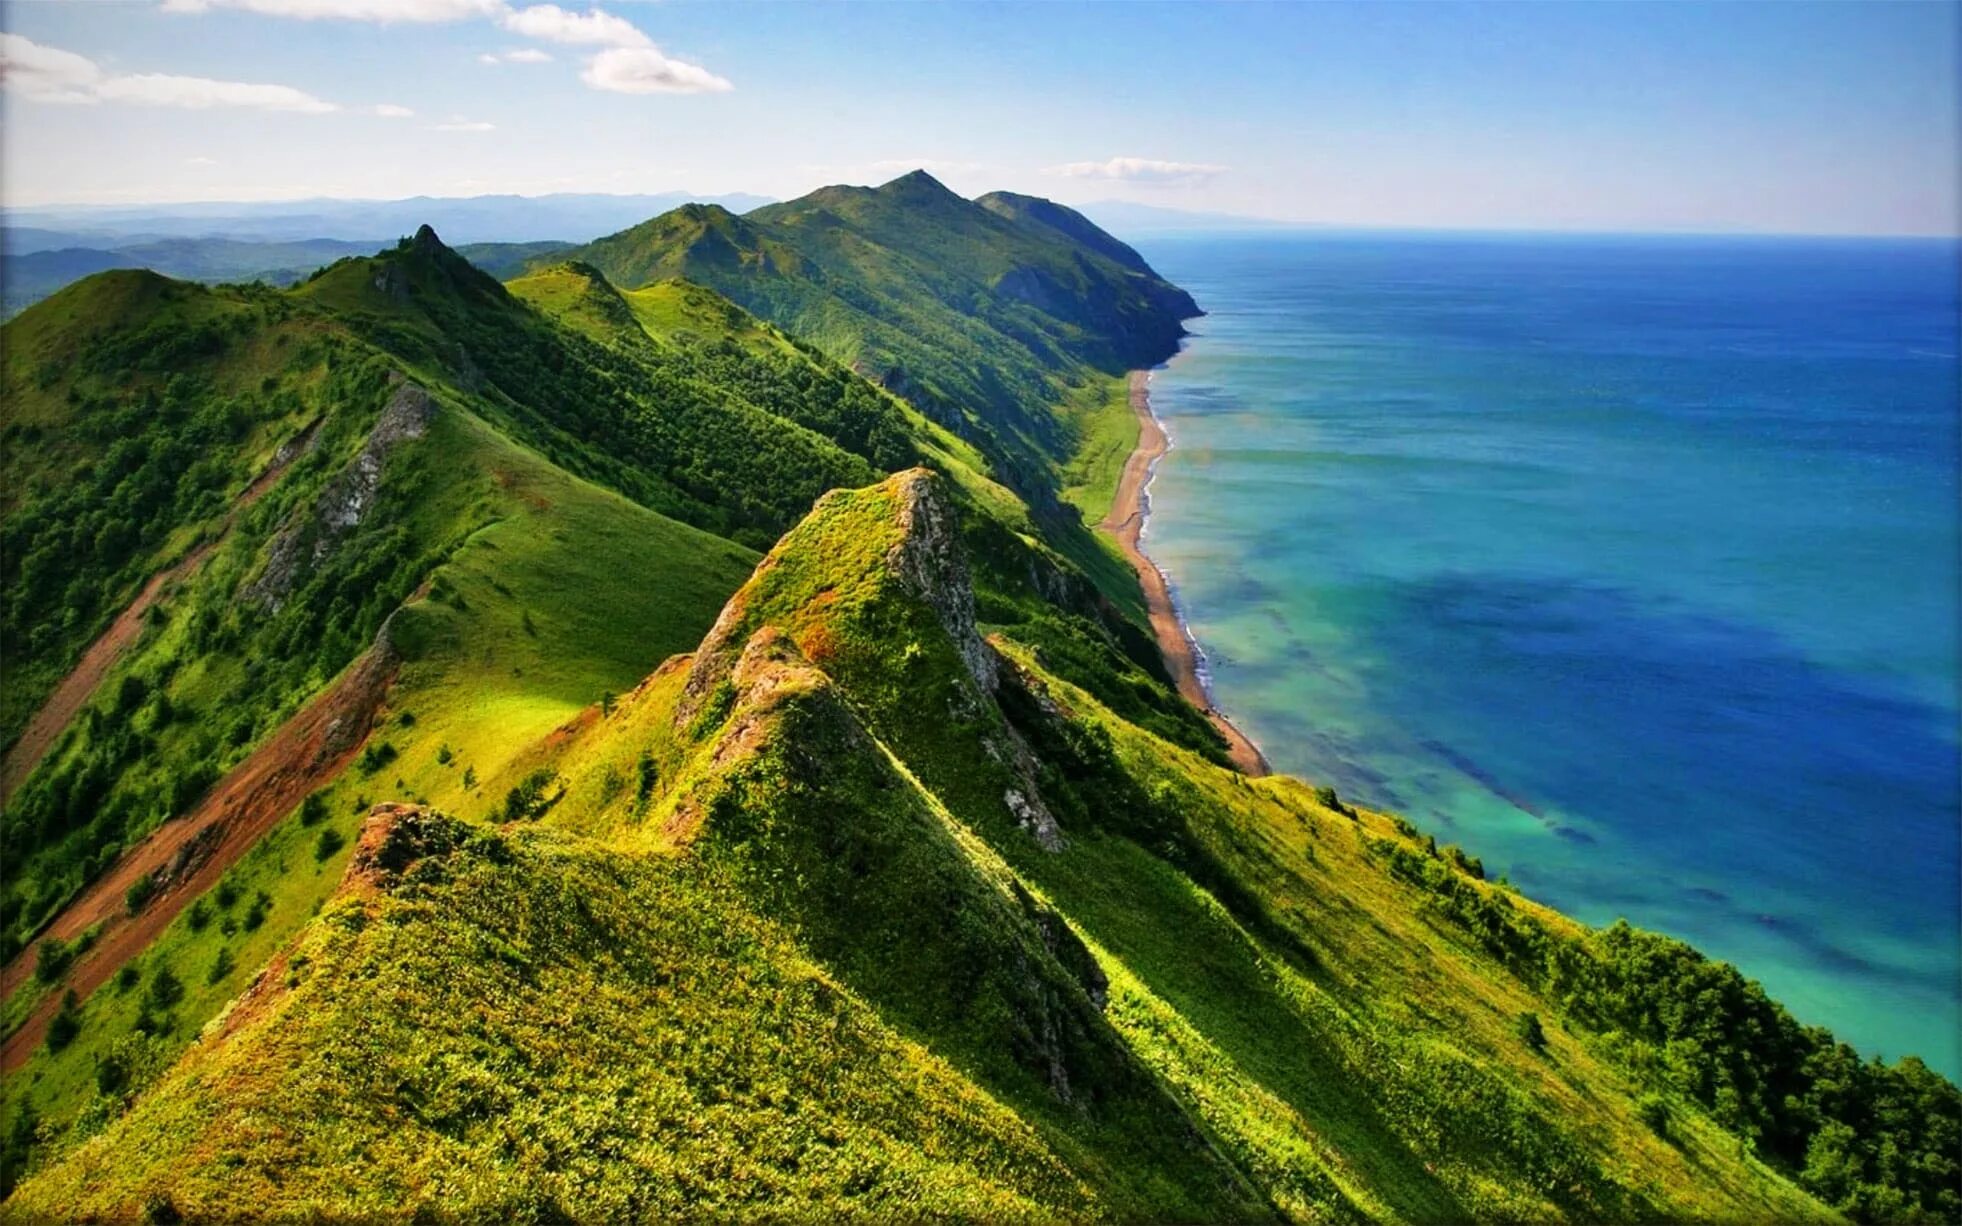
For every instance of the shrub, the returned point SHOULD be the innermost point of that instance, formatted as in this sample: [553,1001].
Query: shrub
[66,1023]
[649,775]
[166,989]
[1531,1033]
[1470,865]
[528,801]
[51,959]
[1654,1111]
[199,916]
[126,978]
[330,841]
[220,966]
[139,892]
[255,915]
[376,756]
[1327,799]
[111,1075]
[313,809]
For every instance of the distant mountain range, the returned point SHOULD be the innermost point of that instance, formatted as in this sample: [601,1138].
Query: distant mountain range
[280,242]
[465,219]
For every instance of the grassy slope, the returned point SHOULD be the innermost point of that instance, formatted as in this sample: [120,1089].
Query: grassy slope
[1221,1000]
[528,1025]
[545,607]
[1107,434]
[1269,986]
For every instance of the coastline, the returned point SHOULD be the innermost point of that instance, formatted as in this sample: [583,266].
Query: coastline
[1126,522]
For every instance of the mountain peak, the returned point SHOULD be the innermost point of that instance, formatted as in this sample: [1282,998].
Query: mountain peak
[917,183]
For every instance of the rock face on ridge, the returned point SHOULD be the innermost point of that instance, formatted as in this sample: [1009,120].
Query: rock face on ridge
[865,566]
[346,500]
[929,560]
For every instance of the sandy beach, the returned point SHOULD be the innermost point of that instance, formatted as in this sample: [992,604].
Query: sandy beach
[1126,522]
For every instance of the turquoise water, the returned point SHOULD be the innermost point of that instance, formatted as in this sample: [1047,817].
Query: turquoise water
[1630,564]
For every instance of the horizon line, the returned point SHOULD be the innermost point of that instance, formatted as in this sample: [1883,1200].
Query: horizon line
[1224,222]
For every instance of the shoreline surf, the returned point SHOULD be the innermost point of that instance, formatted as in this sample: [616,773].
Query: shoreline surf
[1129,513]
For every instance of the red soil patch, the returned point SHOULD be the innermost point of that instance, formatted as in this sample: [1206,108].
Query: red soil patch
[190,854]
[82,680]
[561,736]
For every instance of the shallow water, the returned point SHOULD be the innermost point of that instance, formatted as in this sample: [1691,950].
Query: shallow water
[1631,564]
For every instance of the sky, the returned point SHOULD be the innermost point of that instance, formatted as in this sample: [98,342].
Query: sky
[1773,117]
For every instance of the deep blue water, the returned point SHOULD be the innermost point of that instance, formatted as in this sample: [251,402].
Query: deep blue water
[1631,564]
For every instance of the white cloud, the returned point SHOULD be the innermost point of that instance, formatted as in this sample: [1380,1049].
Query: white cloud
[1141,170]
[464,125]
[594,27]
[388,110]
[50,74]
[202,93]
[201,161]
[628,62]
[519,55]
[47,74]
[384,11]
[644,70]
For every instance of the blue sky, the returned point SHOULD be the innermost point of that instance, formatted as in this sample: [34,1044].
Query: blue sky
[1765,117]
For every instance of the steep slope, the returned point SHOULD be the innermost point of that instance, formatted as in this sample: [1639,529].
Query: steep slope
[1111,979]
[985,322]
[398,492]
[519,1026]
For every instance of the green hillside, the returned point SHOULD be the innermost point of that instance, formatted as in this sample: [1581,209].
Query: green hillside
[426,800]
[771,944]
[986,319]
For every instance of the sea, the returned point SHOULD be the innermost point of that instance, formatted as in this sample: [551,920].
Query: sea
[1630,564]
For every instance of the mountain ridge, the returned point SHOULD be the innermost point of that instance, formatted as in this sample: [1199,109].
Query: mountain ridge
[880,871]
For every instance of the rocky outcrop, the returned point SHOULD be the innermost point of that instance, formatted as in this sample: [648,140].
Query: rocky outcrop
[932,565]
[1027,808]
[346,500]
[395,838]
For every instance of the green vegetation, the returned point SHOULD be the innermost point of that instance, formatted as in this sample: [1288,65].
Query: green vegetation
[981,315]
[913,890]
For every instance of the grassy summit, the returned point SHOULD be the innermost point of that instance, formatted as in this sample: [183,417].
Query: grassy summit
[392,863]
